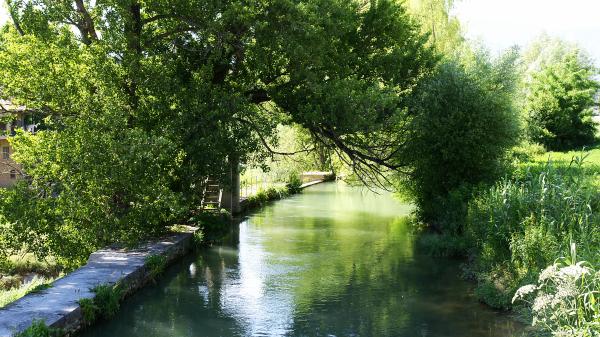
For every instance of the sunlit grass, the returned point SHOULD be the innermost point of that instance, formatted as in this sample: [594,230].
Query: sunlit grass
[592,156]
[16,268]
[28,263]
[11,295]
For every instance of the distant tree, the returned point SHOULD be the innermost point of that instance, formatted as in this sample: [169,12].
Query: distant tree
[559,103]
[444,29]
[545,50]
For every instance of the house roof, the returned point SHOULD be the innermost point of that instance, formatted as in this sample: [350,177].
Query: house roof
[8,106]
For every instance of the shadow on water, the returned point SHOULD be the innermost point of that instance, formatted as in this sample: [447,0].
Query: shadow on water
[333,261]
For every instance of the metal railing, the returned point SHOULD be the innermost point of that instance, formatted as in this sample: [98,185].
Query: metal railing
[251,185]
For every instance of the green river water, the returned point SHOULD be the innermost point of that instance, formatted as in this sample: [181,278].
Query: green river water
[332,261]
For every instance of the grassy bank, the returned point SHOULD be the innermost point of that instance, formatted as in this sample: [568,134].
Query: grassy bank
[528,234]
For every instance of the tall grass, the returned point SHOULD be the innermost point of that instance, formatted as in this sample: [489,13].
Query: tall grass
[522,224]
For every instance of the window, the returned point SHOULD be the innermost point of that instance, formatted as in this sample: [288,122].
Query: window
[5,152]
[13,174]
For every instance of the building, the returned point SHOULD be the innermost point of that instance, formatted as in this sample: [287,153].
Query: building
[12,118]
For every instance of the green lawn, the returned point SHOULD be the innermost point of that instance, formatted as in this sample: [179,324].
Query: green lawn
[592,156]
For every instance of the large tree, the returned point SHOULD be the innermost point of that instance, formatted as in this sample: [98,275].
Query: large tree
[176,88]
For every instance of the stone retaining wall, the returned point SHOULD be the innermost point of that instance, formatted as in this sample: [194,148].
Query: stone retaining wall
[58,305]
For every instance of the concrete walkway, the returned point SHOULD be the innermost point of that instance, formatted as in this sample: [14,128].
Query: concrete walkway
[57,306]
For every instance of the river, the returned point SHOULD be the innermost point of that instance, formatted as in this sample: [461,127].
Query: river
[332,261]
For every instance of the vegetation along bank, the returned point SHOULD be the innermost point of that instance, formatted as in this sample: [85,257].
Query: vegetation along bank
[138,105]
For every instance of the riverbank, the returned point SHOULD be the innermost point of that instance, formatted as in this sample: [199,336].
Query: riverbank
[334,260]
[129,269]
[58,306]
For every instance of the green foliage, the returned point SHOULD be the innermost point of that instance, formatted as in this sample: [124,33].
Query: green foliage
[559,103]
[212,226]
[107,299]
[155,265]
[527,152]
[39,329]
[139,104]
[435,16]
[93,183]
[89,310]
[520,225]
[105,303]
[198,238]
[293,183]
[463,124]
[263,196]
[564,300]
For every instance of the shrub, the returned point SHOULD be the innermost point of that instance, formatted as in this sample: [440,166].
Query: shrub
[463,124]
[94,182]
[89,310]
[526,152]
[198,239]
[107,299]
[105,303]
[559,104]
[156,265]
[213,226]
[264,196]
[293,183]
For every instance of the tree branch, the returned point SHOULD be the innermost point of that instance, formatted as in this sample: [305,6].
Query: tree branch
[258,96]
[266,144]
[14,18]
[87,28]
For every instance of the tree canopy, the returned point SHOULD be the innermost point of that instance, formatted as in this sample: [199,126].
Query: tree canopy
[142,100]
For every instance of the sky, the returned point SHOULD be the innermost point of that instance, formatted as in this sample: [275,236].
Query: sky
[504,23]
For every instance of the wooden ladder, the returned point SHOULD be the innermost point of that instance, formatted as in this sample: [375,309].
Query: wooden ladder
[211,198]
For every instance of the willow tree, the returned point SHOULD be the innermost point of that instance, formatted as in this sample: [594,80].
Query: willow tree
[143,99]
[444,29]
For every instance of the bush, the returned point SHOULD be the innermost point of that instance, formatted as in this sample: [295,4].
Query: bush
[520,226]
[107,300]
[526,152]
[156,265]
[293,183]
[264,196]
[89,310]
[559,104]
[105,303]
[463,124]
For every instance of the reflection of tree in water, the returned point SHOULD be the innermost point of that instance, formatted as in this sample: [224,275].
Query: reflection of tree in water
[348,292]
[343,266]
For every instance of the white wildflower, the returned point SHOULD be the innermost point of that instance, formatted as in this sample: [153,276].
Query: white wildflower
[548,273]
[575,271]
[524,291]
[541,302]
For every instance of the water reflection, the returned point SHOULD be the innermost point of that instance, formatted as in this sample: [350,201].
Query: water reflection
[334,261]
